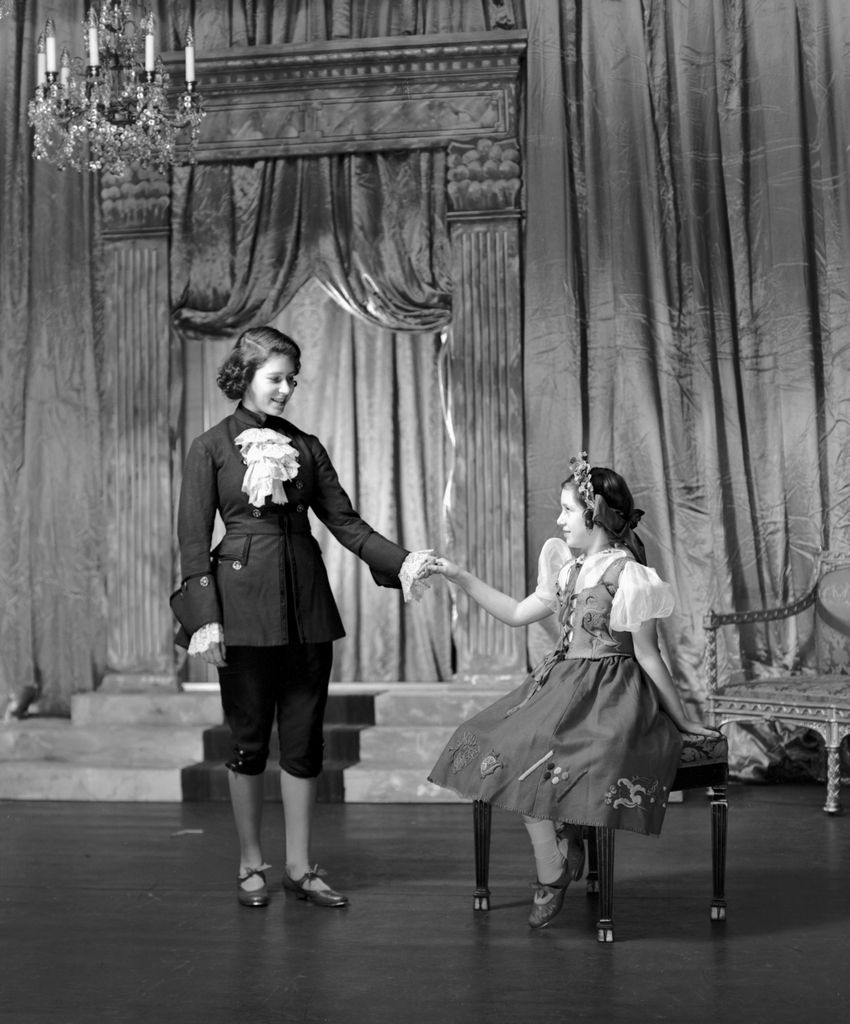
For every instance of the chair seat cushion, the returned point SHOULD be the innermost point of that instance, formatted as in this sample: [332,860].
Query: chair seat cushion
[703,750]
[799,690]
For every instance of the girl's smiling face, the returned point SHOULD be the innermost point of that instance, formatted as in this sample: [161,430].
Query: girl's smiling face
[271,386]
[571,520]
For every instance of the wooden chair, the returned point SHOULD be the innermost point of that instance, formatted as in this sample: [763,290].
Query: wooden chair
[704,764]
[818,700]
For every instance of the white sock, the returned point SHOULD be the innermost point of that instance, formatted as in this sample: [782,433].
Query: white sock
[547,856]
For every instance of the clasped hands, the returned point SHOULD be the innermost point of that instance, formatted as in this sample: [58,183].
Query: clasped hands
[417,567]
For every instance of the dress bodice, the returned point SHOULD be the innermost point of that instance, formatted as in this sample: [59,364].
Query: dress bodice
[585,617]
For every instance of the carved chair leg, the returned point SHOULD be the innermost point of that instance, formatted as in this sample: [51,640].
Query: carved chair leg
[592,862]
[605,863]
[833,780]
[719,814]
[481,820]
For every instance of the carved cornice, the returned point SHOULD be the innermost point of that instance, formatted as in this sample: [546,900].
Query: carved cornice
[346,96]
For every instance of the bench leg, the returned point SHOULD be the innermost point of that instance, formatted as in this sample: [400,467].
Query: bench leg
[833,780]
[719,814]
[481,818]
[592,862]
[605,865]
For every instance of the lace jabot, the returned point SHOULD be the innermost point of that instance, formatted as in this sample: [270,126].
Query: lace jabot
[271,459]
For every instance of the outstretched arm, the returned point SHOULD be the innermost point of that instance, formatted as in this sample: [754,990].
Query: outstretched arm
[650,660]
[501,606]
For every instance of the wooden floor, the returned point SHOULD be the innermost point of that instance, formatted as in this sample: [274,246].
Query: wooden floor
[116,913]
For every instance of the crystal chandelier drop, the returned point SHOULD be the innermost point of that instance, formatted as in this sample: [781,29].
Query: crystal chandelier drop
[112,108]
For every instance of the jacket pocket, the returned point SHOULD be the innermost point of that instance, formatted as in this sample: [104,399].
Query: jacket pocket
[233,551]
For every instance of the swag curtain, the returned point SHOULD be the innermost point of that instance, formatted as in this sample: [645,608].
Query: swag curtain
[371,230]
[688,316]
[370,227]
[52,600]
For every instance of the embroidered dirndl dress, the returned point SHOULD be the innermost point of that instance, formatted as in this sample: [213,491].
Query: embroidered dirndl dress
[584,738]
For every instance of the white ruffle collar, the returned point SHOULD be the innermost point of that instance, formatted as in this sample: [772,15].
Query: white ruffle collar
[271,459]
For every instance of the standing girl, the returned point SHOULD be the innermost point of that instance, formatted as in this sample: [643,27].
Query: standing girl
[591,737]
[259,606]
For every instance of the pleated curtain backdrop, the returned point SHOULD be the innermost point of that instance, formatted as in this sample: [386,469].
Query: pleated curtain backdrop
[688,310]
[52,545]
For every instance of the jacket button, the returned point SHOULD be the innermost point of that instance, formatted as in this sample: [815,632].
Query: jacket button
[256,512]
[204,581]
[237,566]
[299,484]
[299,508]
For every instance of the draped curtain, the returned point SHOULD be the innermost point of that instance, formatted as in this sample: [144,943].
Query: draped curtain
[384,428]
[52,600]
[687,300]
[248,239]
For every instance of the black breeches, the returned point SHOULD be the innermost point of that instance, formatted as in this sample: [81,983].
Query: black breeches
[288,683]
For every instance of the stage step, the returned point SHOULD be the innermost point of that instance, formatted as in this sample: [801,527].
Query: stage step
[413,722]
[346,715]
[381,740]
[113,747]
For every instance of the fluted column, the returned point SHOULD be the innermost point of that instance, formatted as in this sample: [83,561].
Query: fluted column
[140,648]
[486,499]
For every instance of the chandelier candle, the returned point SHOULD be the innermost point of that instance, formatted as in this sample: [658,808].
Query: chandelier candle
[113,108]
[91,35]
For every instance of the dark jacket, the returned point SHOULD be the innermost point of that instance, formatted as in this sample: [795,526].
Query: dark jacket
[242,583]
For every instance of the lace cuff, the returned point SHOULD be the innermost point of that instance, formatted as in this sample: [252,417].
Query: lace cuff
[205,637]
[412,587]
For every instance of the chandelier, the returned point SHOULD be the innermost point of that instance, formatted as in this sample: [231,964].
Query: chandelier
[112,108]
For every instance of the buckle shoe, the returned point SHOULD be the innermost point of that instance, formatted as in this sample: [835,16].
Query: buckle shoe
[548,900]
[321,897]
[253,897]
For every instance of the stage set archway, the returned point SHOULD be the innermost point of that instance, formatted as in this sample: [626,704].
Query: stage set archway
[455,94]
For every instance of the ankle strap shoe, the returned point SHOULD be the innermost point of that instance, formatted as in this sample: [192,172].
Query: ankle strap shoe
[321,897]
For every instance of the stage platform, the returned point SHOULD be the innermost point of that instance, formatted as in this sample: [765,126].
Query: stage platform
[125,913]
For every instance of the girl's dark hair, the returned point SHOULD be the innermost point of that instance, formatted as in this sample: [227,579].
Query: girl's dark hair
[612,487]
[253,348]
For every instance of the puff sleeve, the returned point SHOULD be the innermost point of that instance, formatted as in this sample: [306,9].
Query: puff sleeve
[641,595]
[554,555]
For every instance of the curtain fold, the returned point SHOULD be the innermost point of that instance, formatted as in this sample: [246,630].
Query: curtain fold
[52,624]
[687,295]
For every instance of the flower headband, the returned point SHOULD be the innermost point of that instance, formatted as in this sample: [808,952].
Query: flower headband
[581,471]
[611,519]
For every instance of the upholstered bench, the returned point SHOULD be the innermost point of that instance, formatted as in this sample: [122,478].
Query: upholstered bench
[704,764]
